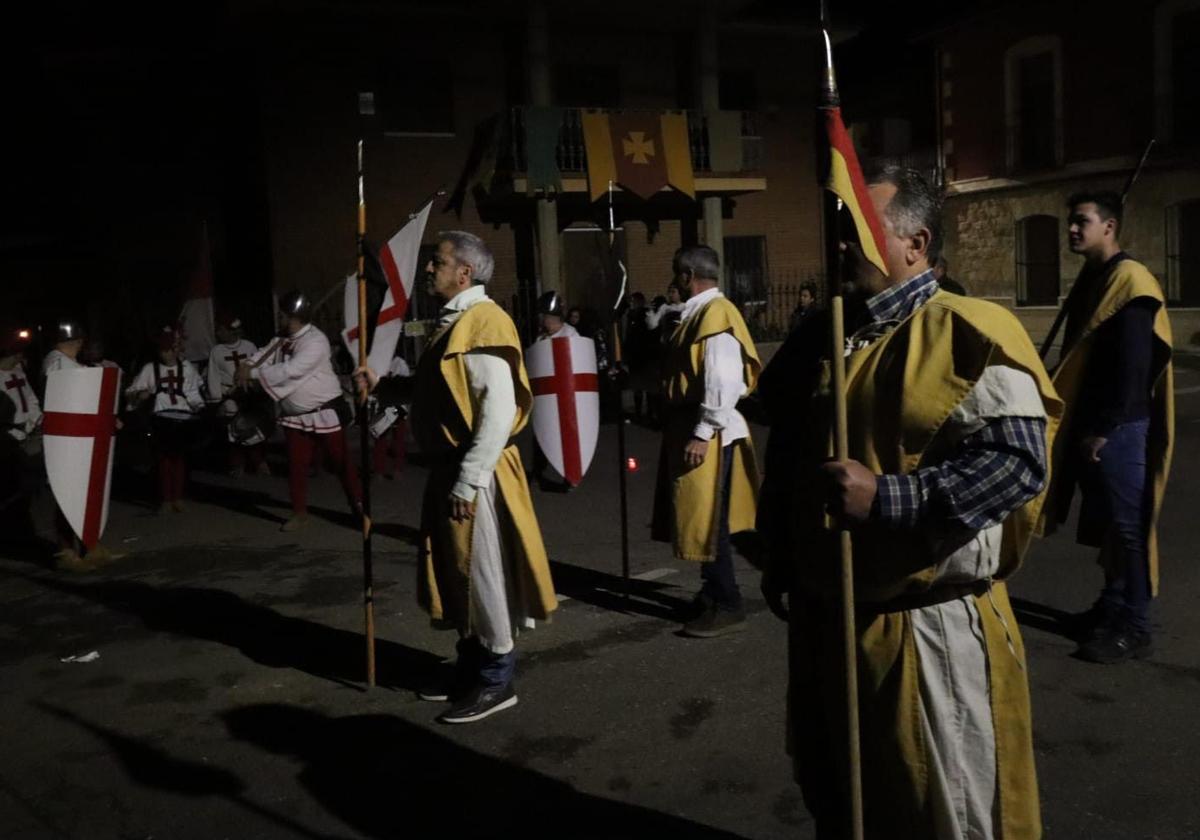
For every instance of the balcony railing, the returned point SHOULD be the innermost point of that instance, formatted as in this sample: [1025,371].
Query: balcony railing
[571,153]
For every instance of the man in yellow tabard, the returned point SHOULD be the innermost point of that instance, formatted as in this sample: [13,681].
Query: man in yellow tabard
[707,478]
[1114,375]
[949,412]
[483,567]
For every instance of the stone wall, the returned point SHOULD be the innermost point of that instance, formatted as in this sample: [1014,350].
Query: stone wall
[981,246]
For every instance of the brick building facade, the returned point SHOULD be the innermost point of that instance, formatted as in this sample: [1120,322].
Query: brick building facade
[461,64]
[1038,101]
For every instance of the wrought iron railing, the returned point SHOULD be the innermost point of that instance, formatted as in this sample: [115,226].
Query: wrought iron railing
[571,154]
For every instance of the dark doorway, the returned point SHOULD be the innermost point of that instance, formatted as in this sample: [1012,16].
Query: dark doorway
[591,278]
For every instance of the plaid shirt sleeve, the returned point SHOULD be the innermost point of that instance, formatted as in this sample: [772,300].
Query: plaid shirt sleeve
[992,473]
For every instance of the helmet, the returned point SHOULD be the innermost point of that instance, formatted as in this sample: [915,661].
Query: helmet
[296,304]
[67,330]
[228,320]
[166,338]
[551,303]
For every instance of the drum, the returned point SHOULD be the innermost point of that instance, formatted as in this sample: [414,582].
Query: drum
[254,421]
[177,432]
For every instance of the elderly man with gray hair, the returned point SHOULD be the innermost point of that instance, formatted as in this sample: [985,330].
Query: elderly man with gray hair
[707,478]
[483,566]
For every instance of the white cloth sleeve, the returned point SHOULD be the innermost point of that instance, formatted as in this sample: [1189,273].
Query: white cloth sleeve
[281,379]
[724,384]
[191,387]
[215,391]
[144,381]
[495,405]
[1000,391]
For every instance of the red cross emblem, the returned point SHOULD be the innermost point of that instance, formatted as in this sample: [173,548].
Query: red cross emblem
[565,377]
[172,382]
[100,427]
[17,383]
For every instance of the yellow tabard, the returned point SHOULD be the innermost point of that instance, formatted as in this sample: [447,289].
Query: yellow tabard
[684,508]
[442,423]
[1129,280]
[900,392]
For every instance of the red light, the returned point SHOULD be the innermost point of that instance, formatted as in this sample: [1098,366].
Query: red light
[631,465]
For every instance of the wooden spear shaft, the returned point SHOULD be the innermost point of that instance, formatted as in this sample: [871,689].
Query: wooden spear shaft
[841,445]
[365,437]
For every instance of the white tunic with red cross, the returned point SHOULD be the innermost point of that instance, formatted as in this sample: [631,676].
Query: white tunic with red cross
[24,412]
[222,365]
[298,374]
[176,388]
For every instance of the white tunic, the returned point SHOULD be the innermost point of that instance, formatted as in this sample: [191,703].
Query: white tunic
[496,608]
[222,365]
[58,360]
[956,712]
[171,397]
[493,402]
[24,412]
[298,374]
[724,380]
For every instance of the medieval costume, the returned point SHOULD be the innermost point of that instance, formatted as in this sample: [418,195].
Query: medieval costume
[487,574]
[950,408]
[296,372]
[72,554]
[1116,380]
[171,388]
[711,363]
[20,443]
[223,363]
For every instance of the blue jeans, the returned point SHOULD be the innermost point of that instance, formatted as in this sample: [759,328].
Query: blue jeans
[1117,506]
[719,582]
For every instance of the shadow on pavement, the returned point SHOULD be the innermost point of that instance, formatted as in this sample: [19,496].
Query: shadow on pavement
[238,500]
[1044,618]
[150,767]
[386,777]
[604,590]
[260,633]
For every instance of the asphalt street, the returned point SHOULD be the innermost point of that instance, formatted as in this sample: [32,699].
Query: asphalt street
[227,699]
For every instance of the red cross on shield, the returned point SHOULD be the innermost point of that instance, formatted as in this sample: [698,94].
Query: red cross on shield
[80,420]
[566,402]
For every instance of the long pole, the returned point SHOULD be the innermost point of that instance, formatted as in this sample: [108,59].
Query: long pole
[841,444]
[365,433]
[622,478]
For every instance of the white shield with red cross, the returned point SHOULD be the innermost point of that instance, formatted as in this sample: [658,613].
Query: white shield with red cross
[566,402]
[78,428]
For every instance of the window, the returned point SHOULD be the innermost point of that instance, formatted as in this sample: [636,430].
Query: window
[1037,261]
[1183,253]
[746,270]
[1176,68]
[588,85]
[1033,104]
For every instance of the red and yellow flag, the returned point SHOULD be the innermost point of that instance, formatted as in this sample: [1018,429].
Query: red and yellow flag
[643,151]
[847,183]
